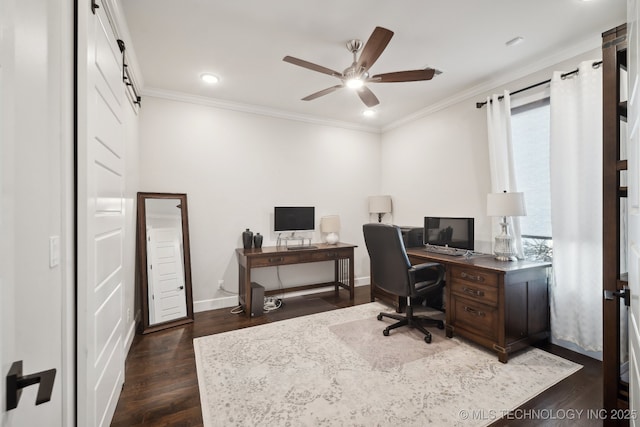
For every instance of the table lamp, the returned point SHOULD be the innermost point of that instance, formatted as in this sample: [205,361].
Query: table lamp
[380,205]
[505,205]
[330,224]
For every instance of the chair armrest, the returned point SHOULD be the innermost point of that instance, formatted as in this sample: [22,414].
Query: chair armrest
[426,266]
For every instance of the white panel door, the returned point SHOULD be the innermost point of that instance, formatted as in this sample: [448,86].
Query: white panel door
[100,219]
[633,124]
[167,275]
[35,206]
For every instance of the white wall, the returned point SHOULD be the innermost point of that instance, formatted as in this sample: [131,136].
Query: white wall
[439,164]
[235,167]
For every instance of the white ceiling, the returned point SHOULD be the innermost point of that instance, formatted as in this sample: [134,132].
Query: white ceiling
[244,41]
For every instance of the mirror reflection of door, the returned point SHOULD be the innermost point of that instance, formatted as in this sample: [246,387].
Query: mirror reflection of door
[164,260]
[166,280]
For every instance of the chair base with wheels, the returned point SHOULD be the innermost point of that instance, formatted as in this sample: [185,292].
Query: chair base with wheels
[412,321]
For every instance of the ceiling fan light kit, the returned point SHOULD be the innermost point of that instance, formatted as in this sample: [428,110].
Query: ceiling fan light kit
[356,76]
[355,83]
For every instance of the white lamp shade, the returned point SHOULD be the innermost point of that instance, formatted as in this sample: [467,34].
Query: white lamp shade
[506,204]
[330,224]
[379,204]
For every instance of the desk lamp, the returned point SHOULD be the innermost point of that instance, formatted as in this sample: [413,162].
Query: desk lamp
[505,205]
[330,224]
[380,205]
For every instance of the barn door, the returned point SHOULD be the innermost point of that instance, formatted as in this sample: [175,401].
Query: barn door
[101,153]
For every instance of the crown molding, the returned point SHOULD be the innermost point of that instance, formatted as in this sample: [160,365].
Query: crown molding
[254,109]
[500,81]
[479,90]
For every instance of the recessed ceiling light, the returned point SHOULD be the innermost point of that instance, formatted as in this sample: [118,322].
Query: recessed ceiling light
[209,78]
[369,113]
[515,41]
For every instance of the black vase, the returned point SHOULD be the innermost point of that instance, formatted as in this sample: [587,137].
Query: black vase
[257,240]
[247,238]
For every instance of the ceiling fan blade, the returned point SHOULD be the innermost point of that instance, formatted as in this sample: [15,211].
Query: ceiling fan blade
[322,93]
[311,66]
[403,76]
[367,97]
[374,47]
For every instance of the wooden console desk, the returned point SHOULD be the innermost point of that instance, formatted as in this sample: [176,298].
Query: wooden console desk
[503,306]
[340,253]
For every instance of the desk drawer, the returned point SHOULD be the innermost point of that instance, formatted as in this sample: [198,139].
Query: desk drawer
[471,275]
[475,291]
[330,255]
[478,318]
[279,259]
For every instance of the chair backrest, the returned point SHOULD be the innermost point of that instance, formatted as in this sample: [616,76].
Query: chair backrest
[389,262]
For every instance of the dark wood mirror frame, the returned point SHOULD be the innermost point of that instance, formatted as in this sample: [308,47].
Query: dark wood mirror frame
[141,262]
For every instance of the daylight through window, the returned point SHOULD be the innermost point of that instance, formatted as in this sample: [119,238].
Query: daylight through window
[530,125]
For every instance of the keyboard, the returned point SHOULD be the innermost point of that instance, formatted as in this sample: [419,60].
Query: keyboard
[301,247]
[446,251]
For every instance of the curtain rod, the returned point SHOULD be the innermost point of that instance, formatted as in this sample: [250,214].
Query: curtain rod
[596,64]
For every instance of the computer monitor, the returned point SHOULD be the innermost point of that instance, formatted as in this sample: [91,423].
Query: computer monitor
[293,218]
[450,232]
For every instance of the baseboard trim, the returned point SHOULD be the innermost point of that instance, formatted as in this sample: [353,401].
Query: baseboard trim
[131,333]
[232,301]
[215,303]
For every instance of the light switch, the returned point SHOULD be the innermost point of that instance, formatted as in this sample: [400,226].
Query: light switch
[54,251]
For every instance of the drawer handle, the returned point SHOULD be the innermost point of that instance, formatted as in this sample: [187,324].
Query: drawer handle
[474,311]
[473,292]
[279,259]
[332,255]
[471,277]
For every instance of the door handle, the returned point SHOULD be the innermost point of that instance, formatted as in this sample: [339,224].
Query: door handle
[181,287]
[16,382]
[625,294]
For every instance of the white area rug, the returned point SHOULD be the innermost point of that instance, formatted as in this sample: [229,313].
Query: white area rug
[337,369]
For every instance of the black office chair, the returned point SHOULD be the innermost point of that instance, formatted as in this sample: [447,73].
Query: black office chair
[392,272]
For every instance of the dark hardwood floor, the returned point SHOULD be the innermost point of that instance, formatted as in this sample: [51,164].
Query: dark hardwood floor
[161,386]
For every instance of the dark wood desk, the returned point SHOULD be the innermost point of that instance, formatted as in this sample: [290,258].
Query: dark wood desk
[340,253]
[503,306]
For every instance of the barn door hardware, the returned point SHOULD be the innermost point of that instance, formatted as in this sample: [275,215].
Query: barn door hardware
[126,76]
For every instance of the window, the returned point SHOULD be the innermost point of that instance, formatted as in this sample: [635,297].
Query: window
[530,126]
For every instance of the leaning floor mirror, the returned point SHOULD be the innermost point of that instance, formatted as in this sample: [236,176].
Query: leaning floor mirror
[163,264]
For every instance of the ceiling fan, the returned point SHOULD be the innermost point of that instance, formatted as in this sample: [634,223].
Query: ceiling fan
[356,75]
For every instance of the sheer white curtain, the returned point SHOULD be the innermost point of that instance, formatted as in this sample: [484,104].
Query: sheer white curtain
[501,158]
[576,207]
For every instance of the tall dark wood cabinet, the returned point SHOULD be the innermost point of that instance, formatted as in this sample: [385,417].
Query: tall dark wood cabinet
[614,63]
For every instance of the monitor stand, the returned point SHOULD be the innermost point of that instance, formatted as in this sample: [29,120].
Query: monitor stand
[301,241]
